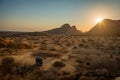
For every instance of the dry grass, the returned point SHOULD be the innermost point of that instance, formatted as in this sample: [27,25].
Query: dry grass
[64,58]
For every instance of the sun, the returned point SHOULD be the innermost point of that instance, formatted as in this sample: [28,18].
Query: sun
[99,19]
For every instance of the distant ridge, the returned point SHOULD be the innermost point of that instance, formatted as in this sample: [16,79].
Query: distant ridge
[18,33]
[64,29]
[106,27]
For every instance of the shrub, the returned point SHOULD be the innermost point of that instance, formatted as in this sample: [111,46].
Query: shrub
[52,49]
[11,44]
[68,44]
[7,60]
[58,64]
[79,61]
[84,78]
[81,45]
[87,63]
[7,65]
[8,69]
[118,59]
[111,56]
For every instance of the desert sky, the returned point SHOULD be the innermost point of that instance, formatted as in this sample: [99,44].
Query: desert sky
[40,15]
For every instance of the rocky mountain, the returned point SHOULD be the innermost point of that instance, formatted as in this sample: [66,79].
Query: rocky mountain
[106,27]
[64,29]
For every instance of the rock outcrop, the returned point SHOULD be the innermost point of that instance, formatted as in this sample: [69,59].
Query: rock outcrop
[106,27]
[64,29]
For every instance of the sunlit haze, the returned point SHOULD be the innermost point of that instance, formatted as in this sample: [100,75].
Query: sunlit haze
[40,15]
[99,19]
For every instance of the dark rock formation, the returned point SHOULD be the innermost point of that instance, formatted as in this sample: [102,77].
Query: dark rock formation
[64,29]
[106,27]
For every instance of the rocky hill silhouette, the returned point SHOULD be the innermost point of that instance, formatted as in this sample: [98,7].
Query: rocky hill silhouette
[64,29]
[106,27]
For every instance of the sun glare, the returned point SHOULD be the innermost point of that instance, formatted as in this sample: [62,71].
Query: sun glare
[99,19]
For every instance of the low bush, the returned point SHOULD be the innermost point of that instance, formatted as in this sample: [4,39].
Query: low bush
[58,64]
[8,68]
[7,60]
